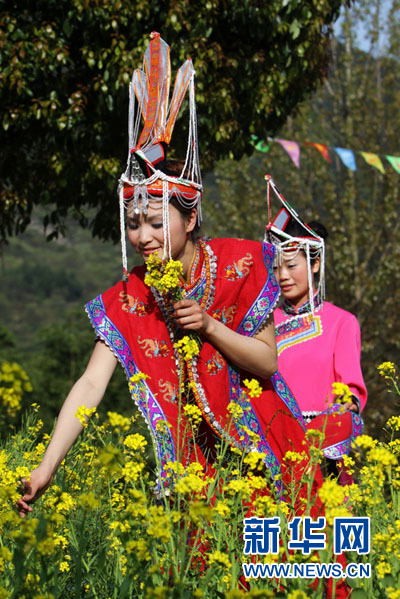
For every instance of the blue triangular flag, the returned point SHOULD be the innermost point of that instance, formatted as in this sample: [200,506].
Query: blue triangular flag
[347,157]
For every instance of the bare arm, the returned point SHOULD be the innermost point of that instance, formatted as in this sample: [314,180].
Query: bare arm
[88,391]
[256,354]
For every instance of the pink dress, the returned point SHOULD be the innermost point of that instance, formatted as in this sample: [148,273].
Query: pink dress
[313,353]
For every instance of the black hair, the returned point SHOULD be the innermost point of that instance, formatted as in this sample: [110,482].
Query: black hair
[174,168]
[295,229]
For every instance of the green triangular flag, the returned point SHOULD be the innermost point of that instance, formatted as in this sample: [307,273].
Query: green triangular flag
[395,162]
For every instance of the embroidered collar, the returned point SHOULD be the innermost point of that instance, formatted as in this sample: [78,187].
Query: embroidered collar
[305,308]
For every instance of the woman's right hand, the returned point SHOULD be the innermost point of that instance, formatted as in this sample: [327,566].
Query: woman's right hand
[40,480]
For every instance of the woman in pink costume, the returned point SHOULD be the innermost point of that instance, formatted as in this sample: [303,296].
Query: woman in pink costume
[318,343]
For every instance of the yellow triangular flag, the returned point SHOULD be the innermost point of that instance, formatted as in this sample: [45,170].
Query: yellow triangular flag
[373,160]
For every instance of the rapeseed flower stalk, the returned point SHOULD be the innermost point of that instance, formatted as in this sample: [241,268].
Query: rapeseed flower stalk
[389,372]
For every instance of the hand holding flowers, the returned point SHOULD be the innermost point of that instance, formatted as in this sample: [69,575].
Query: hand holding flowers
[189,315]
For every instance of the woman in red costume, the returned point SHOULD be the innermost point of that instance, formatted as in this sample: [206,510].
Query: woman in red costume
[229,292]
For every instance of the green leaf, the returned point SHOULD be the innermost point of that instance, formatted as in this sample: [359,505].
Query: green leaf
[295,29]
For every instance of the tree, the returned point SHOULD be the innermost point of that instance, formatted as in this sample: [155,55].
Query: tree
[65,67]
[357,108]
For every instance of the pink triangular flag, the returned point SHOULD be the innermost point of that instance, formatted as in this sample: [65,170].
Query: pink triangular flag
[292,148]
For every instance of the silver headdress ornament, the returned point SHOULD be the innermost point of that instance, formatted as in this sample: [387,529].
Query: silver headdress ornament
[287,246]
[144,180]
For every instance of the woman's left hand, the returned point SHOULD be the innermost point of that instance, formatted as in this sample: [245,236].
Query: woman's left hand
[353,407]
[190,315]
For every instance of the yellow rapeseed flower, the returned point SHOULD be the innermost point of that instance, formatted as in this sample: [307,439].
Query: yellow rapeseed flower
[135,442]
[235,410]
[219,558]
[254,460]
[294,456]
[187,347]
[382,456]
[341,392]
[157,593]
[193,413]
[394,423]
[119,422]
[89,500]
[331,493]
[163,276]
[222,509]
[137,378]
[364,442]
[132,470]
[253,386]
[383,568]
[297,594]
[83,414]
[191,483]
[199,510]
[140,548]
[159,526]
[387,369]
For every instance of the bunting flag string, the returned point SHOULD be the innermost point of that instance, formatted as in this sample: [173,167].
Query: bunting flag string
[346,155]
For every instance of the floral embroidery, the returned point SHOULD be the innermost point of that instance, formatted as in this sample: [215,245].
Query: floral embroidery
[287,396]
[215,364]
[239,269]
[154,348]
[294,331]
[132,305]
[225,314]
[168,390]
[334,452]
[265,301]
[140,392]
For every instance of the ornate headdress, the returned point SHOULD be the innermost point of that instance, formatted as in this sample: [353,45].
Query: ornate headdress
[143,179]
[288,246]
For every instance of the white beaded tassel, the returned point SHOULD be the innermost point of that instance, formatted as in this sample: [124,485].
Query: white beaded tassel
[310,279]
[165,217]
[322,272]
[123,235]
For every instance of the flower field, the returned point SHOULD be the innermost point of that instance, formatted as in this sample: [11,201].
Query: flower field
[105,530]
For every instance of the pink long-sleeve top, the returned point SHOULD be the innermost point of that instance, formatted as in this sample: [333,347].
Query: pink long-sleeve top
[314,352]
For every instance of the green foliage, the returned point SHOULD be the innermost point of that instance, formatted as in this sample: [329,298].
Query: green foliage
[65,67]
[44,289]
[358,107]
